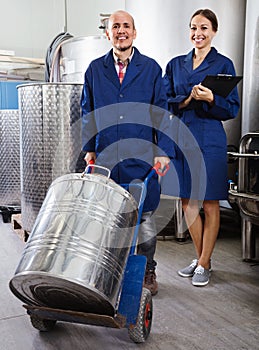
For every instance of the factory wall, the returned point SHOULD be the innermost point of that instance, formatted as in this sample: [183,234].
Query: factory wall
[28,27]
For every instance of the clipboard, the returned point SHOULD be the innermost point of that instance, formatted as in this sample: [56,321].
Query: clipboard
[221,84]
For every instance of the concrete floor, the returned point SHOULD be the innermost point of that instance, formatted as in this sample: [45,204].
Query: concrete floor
[223,315]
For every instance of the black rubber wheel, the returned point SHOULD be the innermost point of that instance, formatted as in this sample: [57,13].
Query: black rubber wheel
[41,324]
[140,331]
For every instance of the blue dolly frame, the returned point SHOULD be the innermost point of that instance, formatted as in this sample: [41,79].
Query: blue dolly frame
[135,302]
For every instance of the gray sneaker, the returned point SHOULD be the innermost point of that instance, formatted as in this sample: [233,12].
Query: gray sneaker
[189,270]
[200,276]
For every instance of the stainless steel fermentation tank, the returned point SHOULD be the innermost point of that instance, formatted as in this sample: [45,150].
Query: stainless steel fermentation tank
[77,53]
[10,184]
[50,144]
[176,14]
[246,193]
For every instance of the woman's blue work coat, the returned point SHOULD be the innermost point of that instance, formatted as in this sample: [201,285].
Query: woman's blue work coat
[201,159]
[125,124]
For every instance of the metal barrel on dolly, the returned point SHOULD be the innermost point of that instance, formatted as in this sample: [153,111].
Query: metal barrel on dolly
[79,263]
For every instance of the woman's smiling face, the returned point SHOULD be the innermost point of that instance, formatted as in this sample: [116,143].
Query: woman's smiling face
[201,32]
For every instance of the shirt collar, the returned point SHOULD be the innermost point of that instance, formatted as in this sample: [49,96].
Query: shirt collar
[128,59]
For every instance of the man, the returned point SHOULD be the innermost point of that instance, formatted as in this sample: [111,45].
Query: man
[123,116]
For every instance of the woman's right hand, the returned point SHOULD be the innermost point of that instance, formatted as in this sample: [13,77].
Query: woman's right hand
[185,102]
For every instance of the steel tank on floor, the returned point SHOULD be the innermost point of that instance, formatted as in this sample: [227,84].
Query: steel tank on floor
[78,248]
[10,184]
[50,143]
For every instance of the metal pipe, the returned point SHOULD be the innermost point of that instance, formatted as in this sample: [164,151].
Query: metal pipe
[65,26]
[248,241]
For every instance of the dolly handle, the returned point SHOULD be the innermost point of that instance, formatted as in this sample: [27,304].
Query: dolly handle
[157,166]
[155,169]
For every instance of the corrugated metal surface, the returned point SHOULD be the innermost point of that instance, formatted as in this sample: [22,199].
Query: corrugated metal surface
[10,185]
[50,140]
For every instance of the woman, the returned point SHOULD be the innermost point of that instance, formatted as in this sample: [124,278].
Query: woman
[201,113]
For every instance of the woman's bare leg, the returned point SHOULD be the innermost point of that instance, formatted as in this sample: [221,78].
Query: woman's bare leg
[210,231]
[194,222]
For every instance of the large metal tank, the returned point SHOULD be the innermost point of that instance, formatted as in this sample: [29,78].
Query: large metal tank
[77,251]
[10,184]
[50,129]
[170,21]
[250,120]
[77,53]
[163,33]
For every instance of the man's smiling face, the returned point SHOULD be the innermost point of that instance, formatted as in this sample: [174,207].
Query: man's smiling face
[121,31]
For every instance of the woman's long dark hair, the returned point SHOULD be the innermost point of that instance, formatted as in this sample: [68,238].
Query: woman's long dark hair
[210,15]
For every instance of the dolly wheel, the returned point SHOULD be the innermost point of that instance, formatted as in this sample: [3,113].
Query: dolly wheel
[41,324]
[140,331]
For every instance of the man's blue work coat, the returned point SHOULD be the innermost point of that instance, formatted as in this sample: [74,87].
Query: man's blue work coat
[126,124]
[202,143]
